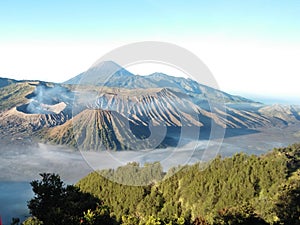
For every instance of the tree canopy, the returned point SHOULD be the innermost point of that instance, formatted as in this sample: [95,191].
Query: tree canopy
[55,203]
[242,189]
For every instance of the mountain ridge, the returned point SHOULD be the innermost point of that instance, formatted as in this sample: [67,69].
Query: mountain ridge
[113,76]
[127,108]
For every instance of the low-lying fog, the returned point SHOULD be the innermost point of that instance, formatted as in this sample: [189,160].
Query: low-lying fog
[19,166]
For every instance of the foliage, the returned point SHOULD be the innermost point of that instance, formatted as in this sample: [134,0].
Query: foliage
[32,221]
[134,174]
[101,215]
[55,204]
[288,202]
[238,215]
[241,189]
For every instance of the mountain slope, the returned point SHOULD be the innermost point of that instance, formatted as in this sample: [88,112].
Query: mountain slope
[171,108]
[6,81]
[121,119]
[95,130]
[110,74]
[99,74]
[281,114]
[158,107]
[27,107]
[237,184]
[14,94]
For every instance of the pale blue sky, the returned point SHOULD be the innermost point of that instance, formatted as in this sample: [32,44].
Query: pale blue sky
[107,19]
[251,46]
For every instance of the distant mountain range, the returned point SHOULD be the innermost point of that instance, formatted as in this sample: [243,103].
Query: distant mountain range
[107,107]
[110,74]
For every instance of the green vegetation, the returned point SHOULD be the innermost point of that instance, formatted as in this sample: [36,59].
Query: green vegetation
[14,94]
[134,174]
[241,189]
[57,204]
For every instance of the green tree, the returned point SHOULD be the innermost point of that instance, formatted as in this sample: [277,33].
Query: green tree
[57,204]
[248,187]
[288,203]
[130,220]
[151,220]
[200,221]
[32,221]
[243,215]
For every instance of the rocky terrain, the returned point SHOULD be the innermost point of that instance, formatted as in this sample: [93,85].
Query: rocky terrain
[108,107]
